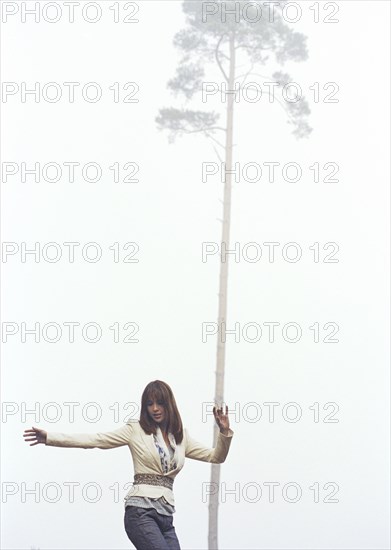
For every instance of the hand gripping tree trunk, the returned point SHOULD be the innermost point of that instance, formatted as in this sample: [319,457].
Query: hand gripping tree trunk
[223,286]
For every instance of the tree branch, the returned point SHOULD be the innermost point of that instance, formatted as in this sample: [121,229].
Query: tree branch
[245,74]
[282,105]
[255,74]
[218,154]
[217,57]
[214,139]
[202,129]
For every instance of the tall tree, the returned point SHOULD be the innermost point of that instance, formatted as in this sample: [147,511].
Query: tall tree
[225,35]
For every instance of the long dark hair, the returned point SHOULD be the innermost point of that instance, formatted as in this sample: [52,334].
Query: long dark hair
[162,392]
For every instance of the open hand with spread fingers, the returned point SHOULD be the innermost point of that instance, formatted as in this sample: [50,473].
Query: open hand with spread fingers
[35,434]
[222,419]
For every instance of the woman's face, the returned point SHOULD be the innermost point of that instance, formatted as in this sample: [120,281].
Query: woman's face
[156,410]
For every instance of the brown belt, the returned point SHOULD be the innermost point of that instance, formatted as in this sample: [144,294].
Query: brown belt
[153,479]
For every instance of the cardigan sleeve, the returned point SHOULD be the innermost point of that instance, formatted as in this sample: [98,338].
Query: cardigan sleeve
[197,451]
[100,440]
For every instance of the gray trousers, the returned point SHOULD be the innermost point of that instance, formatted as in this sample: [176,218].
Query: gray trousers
[149,530]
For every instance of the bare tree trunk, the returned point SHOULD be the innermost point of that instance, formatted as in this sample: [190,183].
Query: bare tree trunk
[220,360]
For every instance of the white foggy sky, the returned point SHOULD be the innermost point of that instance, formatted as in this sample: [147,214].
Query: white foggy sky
[171,292]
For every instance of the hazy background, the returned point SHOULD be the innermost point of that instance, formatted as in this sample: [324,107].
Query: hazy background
[170,292]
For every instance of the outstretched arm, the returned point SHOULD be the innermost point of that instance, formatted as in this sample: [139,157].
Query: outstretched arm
[197,451]
[100,440]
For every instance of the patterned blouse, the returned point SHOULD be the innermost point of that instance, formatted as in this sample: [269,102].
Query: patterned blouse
[167,460]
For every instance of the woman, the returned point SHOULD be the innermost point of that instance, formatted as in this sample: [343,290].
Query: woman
[158,444]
